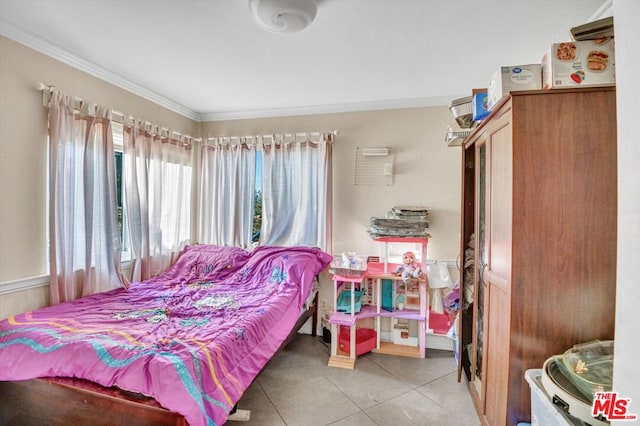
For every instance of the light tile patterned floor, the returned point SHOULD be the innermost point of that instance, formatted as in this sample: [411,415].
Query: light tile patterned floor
[299,389]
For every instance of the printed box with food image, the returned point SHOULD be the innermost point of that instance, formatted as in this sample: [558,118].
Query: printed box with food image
[579,64]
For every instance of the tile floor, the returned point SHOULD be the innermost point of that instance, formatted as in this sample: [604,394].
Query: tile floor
[298,388]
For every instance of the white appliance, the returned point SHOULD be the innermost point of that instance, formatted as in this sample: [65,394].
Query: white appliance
[565,395]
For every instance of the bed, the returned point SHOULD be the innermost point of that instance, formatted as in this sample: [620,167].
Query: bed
[191,339]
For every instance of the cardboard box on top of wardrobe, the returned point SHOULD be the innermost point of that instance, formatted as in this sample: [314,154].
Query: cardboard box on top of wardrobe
[579,64]
[479,104]
[511,79]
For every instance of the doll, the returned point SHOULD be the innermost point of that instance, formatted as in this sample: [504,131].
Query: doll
[409,268]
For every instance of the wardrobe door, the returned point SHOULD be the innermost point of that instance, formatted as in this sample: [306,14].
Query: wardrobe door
[497,275]
[481,253]
[467,272]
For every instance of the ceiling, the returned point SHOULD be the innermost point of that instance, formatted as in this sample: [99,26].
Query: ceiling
[208,60]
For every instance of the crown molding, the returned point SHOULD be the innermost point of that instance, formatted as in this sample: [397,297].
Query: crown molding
[41,45]
[604,11]
[329,109]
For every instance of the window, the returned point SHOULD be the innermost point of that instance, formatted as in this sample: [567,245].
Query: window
[176,185]
[257,201]
[272,193]
[296,193]
[94,216]
[118,165]
[118,139]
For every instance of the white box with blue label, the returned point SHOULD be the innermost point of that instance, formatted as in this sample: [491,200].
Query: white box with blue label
[511,79]
[479,104]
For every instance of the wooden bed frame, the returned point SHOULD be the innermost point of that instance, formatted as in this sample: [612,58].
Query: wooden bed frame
[69,401]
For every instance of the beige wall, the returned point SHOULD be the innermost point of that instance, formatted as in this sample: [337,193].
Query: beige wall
[23,301]
[23,157]
[426,171]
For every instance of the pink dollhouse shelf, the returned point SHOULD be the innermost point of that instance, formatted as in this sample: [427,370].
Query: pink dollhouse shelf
[343,318]
[405,314]
[346,274]
[377,268]
[365,340]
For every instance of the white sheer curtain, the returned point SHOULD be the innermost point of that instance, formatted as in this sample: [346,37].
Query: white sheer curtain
[296,197]
[227,189]
[84,234]
[158,196]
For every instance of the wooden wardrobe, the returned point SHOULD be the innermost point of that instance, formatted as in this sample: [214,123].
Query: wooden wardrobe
[539,183]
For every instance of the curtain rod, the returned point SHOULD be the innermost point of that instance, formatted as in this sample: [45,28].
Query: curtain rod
[273,137]
[126,120]
[120,117]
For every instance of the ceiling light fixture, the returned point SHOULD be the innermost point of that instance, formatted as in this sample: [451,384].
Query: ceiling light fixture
[283,16]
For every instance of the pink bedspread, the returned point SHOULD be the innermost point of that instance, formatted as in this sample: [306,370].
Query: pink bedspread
[194,338]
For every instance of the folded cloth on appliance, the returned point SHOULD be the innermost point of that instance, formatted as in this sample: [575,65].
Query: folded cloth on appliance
[409,212]
[194,338]
[381,227]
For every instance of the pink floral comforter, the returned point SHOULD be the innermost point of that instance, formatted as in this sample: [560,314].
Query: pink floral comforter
[194,338]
